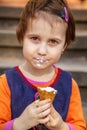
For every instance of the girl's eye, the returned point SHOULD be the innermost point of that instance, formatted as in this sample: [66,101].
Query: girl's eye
[35,39]
[53,42]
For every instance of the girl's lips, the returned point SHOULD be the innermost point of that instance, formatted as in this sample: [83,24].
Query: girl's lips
[41,60]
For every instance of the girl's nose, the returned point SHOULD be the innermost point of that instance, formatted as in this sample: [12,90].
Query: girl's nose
[42,50]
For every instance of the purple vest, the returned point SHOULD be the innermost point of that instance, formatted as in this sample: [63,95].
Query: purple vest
[23,92]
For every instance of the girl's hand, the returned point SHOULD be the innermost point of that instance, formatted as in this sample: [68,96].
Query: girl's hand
[55,121]
[35,113]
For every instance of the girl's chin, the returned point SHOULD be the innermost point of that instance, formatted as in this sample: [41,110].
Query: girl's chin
[40,66]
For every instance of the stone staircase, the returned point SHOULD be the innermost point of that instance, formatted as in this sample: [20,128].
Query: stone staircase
[74,59]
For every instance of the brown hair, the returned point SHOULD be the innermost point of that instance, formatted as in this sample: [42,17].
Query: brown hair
[54,7]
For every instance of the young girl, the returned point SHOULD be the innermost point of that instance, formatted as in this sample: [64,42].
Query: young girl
[45,30]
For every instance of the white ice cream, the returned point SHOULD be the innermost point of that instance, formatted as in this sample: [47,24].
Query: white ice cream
[49,89]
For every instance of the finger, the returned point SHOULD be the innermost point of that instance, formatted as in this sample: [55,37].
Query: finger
[43,102]
[44,113]
[54,113]
[44,120]
[44,107]
[51,122]
[36,102]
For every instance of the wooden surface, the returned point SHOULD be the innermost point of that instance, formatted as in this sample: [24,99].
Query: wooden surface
[13,2]
[78,4]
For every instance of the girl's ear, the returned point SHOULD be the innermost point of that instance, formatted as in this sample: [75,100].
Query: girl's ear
[65,46]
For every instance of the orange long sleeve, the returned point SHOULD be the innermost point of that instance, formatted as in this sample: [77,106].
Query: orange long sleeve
[5,111]
[75,112]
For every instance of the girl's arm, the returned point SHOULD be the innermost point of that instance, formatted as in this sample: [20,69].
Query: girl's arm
[75,112]
[5,112]
[75,119]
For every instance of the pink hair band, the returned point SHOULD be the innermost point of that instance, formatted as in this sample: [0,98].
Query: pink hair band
[66,15]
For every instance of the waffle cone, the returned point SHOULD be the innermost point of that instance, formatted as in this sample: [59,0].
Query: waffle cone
[46,94]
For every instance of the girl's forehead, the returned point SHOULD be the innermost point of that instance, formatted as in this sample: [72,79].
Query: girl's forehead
[42,17]
[43,28]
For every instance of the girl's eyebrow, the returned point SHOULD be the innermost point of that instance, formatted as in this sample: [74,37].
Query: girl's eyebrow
[32,34]
[55,38]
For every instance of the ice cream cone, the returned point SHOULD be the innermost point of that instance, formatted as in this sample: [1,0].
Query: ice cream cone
[46,93]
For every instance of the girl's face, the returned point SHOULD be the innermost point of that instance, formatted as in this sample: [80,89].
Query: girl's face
[43,43]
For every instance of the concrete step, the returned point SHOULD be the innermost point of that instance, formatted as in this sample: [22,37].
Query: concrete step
[8,38]
[14,12]
[11,24]
[74,64]
[78,57]
[70,61]
[9,17]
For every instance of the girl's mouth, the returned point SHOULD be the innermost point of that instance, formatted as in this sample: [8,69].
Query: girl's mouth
[41,60]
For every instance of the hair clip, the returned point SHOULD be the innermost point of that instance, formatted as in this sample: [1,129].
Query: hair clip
[66,15]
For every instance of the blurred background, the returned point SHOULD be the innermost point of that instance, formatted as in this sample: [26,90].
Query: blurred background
[75,58]
[73,3]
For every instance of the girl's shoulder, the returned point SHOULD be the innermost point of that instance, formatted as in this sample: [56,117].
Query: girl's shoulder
[3,79]
[4,88]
